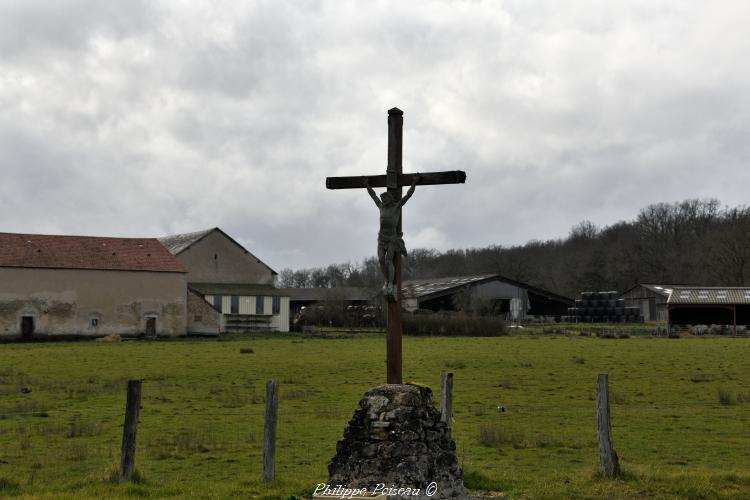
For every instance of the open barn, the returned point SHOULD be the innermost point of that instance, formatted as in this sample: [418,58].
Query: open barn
[346,295]
[492,293]
[727,307]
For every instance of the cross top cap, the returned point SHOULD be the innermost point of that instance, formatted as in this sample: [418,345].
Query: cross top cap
[395,111]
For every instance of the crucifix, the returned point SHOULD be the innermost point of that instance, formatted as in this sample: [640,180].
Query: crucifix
[390,237]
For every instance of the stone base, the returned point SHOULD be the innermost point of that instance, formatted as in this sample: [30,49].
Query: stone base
[396,439]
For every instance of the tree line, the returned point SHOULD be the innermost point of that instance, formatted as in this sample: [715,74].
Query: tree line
[692,242]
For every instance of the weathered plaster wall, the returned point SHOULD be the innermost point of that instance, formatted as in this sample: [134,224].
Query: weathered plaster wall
[215,259]
[202,318]
[64,301]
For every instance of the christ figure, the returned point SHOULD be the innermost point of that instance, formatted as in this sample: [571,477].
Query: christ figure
[390,239]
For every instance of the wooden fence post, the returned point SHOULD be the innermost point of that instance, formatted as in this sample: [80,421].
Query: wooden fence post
[446,400]
[610,464]
[127,454]
[269,431]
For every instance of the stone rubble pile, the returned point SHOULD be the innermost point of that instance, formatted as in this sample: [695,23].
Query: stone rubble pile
[396,437]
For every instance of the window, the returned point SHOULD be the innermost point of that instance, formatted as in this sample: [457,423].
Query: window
[94,322]
[259,304]
[276,305]
[235,304]
[217,302]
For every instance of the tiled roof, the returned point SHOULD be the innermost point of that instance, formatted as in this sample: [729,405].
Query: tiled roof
[709,295]
[176,243]
[86,252]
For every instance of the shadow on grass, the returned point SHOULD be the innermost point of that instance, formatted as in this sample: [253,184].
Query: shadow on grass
[475,480]
[9,487]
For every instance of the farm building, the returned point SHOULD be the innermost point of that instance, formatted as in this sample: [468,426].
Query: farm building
[239,287]
[494,293]
[92,286]
[347,295]
[652,300]
[345,305]
[728,306]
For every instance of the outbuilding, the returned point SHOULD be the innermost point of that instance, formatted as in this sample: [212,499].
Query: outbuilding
[237,284]
[651,298]
[728,306]
[57,286]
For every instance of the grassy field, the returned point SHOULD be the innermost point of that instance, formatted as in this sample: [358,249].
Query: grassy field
[681,420]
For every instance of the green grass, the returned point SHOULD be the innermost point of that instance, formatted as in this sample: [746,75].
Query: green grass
[201,425]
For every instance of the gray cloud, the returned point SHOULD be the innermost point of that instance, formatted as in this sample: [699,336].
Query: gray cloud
[146,118]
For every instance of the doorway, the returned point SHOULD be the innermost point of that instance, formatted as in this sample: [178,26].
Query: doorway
[27,327]
[150,327]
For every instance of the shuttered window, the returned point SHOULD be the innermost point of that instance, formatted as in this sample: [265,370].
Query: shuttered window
[276,305]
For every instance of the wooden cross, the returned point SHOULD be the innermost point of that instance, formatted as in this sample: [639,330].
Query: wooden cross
[394,180]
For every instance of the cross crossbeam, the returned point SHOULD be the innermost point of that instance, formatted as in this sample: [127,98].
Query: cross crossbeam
[379,181]
[390,244]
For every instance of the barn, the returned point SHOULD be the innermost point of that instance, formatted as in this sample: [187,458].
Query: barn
[493,293]
[57,286]
[726,306]
[652,299]
[238,285]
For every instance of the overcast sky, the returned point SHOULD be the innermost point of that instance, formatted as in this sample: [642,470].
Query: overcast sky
[148,118]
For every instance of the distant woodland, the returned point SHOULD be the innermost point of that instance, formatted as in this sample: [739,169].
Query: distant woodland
[689,242]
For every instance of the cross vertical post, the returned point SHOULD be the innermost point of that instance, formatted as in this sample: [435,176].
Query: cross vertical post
[391,231]
[393,307]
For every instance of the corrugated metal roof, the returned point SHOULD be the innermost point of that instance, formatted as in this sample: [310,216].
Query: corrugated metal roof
[709,295]
[350,293]
[420,288]
[86,252]
[331,294]
[435,287]
[660,289]
[236,289]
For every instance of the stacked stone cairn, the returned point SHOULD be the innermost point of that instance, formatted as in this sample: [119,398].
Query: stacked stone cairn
[396,438]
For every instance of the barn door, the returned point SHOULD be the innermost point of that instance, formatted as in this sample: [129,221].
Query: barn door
[150,327]
[27,327]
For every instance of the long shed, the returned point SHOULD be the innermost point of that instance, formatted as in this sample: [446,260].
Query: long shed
[689,305]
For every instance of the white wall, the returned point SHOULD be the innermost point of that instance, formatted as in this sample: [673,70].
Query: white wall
[279,322]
